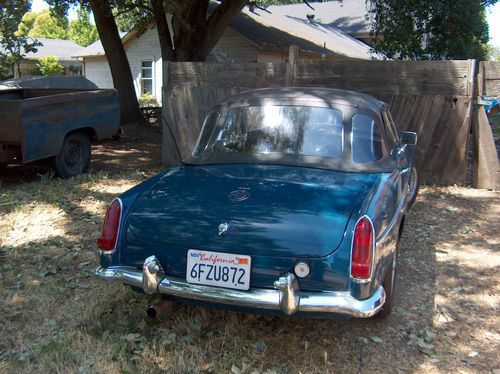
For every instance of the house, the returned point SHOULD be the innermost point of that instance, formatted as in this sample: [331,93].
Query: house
[255,35]
[64,50]
[350,16]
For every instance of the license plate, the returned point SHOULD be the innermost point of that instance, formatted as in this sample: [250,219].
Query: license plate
[218,269]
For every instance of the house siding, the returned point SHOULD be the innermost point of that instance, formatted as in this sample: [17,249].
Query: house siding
[235,47]
[30,67]
[145,48]
[231,46]
[96,69]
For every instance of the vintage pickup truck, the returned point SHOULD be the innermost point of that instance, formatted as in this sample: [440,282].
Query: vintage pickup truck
[55,124]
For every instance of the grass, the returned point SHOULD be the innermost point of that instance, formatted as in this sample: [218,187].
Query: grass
[57,318]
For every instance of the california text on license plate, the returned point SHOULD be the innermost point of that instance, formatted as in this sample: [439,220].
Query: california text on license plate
[218,269]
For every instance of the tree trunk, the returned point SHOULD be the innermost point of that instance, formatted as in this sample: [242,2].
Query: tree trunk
[117,59]
[17,66]
[195,36]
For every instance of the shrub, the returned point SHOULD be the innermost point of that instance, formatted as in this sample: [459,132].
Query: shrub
[148,100]
[50,65]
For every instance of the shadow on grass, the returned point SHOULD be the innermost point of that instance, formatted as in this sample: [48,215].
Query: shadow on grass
[57,317]
[411,338]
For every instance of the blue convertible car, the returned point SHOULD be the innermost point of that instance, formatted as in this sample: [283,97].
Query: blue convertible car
[292,202]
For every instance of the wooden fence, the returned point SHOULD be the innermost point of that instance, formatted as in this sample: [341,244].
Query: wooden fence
[433,98]
[488,78]
[486,166]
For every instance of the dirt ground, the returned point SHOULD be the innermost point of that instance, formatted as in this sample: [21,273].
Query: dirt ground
[55,317]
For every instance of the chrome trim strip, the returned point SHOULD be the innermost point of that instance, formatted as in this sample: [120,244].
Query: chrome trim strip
[288,287]
[289,303]
[151,270]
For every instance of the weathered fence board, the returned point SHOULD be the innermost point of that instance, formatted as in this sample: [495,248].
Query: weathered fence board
[486,164]
[394,77]
[432,98]
[442,127]
[489,78]
[228,74]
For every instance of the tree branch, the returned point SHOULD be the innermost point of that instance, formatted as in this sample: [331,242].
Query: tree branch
[167,50]
[220,18]
[175,8]
[131,7]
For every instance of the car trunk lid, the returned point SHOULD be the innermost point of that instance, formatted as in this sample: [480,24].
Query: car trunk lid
[262,211]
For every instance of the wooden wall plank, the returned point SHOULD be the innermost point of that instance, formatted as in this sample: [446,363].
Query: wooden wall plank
[428,97]
[492,69]
[492,87]
[486,164]
[491,78]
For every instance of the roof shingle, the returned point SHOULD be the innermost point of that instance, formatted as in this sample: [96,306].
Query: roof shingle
[285,25]
[64,50]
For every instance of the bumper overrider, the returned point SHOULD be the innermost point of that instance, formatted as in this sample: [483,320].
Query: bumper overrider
[286,296]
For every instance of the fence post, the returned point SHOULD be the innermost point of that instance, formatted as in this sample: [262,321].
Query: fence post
[169,150]
[293,54]
[480,79]
[486,168]
[471,77]
[470,93]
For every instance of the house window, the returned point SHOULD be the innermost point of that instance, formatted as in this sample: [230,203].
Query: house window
[147,77]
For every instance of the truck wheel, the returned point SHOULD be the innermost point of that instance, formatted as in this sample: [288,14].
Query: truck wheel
[74,158]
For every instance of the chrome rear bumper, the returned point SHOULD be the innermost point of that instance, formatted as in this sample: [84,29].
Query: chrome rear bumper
[286,296]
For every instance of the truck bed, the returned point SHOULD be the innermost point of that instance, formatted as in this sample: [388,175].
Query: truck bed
[35,121]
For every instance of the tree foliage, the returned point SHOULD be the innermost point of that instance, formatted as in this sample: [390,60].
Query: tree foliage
[5,68]
[433,29]
[27,22]
[48,25]
[128,19]
[493,53]
[81,30]
[49,65]
[14,45]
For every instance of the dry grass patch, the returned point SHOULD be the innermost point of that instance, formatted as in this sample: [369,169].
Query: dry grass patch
[57,318]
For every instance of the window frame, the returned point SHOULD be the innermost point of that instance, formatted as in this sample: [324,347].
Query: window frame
[342,164]
[390,127]
[378,124]
[142,78]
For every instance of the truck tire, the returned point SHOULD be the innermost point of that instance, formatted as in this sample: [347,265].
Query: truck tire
[74,158]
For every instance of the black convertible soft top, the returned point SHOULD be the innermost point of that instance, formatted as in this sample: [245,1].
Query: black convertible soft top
[353,102]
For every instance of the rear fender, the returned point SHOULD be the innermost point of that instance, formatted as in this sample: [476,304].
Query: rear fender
[128,198]
[384,205]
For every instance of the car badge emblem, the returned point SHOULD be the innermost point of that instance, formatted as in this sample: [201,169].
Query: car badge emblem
[238,195]
[223,227]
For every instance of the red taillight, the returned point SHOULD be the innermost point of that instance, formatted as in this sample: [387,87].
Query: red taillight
[362,250]
[109,233]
